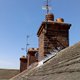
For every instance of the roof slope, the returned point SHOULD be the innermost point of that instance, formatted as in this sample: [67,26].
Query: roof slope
[64,66]
[7,73]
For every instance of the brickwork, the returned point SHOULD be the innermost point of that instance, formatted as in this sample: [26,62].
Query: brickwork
[52,34]
[32,56]
[56,38]
[23,63]
[41,46]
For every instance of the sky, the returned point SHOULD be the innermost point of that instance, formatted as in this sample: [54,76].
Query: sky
[19,18]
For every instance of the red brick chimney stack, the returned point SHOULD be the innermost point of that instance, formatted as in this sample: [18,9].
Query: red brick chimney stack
[56,36]
[23,63]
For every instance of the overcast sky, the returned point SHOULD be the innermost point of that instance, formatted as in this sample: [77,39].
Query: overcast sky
[19,18]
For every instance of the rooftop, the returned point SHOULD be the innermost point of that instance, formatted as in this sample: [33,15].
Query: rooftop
[64,66]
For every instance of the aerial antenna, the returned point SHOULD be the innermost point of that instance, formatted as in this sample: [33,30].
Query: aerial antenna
[47,6]
[27,44]
[27,37]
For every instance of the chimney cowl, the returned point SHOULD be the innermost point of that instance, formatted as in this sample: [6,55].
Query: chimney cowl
[50,17]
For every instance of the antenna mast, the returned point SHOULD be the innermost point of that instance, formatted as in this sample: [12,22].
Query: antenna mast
[27,44]
[27,37]
[47,7]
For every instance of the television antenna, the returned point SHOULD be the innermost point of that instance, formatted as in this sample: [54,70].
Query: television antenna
[27,44]
[27,37]
[47,6]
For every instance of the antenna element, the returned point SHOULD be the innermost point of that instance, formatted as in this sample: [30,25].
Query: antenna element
[27,44]
[27,37]
[47,7]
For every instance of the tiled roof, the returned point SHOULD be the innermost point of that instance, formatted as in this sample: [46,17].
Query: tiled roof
[64,66]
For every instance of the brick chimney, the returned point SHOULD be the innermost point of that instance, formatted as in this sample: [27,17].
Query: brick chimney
[52,35]
[32,56]
[23,63]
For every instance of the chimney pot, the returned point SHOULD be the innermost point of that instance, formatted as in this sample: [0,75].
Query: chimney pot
[60,20]
[50,17]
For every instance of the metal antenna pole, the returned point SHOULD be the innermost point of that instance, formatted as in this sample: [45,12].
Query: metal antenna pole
[47,7]
[27,44]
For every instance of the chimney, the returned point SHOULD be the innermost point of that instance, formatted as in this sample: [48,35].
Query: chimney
[57,35]
[23,63]
[32,56]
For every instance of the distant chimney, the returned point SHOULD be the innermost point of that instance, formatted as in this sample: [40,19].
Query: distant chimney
[23,63]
